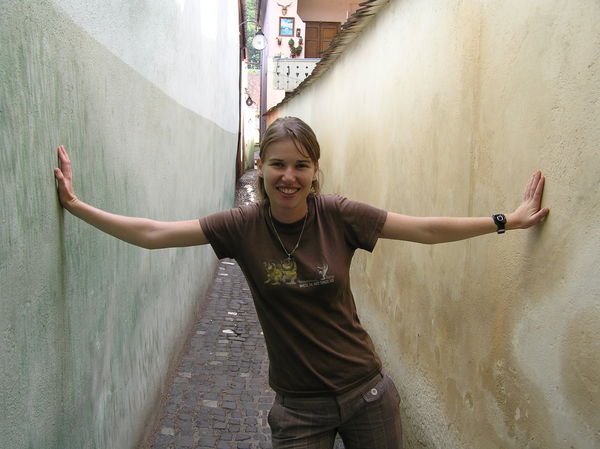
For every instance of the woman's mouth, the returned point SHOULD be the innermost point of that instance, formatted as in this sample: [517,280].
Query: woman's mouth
[287,190]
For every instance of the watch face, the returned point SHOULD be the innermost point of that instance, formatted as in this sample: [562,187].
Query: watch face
[500,218]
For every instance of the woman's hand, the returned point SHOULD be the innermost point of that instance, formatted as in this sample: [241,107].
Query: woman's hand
[530,212]
[64,178]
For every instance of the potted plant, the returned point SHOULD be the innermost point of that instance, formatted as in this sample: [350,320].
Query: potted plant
[295,50]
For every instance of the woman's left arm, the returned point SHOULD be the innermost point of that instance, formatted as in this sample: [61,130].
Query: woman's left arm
[449,229]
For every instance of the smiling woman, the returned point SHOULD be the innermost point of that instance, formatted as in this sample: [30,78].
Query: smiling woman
[295,248]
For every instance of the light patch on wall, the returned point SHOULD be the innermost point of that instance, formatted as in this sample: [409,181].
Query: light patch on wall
[545,349]
[189,50]
[180,5]
[208,25]
[581,365]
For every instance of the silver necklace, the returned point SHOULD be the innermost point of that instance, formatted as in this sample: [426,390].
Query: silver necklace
[290,253]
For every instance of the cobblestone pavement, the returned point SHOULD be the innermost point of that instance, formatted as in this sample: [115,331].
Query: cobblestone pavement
[220,395]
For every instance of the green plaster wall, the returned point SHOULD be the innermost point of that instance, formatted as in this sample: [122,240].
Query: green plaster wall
[89,324]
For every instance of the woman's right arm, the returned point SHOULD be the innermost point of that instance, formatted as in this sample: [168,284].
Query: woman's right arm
[150,234]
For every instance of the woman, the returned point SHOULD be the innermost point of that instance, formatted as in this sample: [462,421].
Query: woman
[295,248]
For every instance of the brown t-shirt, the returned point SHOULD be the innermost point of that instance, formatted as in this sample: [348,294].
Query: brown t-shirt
[314,338]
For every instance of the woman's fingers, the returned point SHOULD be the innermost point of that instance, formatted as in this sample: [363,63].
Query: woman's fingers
[539,190]
[539,216]
[532,186]
[63,176]
[64,163]
[536,191]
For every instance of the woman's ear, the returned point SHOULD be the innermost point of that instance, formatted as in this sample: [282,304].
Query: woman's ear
[259,165]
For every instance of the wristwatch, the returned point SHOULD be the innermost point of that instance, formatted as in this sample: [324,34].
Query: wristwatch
[500,220]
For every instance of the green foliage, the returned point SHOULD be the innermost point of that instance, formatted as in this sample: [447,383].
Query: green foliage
[253,54]
[295,50]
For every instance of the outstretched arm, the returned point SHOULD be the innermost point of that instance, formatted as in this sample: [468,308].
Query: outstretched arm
[449,229]
[142,232]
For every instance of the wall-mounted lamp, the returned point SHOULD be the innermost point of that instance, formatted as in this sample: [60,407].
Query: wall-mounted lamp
[259,41]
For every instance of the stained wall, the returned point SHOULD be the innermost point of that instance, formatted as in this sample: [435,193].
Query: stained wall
[447,108]
[145,97]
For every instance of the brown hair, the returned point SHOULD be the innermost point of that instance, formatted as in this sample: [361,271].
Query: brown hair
[304,138]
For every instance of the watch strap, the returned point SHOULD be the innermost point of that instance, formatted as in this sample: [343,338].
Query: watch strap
[500,221]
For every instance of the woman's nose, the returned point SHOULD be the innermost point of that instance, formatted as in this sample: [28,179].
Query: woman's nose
[288,173]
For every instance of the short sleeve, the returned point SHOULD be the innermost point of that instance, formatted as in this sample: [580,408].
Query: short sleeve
[362,222]
[224,230]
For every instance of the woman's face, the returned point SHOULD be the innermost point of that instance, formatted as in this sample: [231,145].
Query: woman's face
[287,175]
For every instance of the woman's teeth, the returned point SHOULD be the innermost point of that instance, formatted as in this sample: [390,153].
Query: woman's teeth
[286,190]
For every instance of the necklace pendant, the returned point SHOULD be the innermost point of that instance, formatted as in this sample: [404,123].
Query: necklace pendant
[290,258]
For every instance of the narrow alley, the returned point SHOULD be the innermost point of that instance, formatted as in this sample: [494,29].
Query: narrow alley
[220,395]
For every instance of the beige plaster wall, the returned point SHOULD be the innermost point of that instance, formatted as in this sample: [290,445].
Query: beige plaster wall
[494,342]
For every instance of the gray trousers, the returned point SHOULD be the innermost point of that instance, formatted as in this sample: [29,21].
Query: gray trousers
[366,417]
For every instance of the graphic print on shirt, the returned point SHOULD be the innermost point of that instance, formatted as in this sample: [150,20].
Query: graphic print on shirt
[285,272]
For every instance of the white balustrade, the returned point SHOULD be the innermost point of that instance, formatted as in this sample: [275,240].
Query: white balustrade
[290,72]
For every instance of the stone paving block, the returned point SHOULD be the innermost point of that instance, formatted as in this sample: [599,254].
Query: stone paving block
[185,440]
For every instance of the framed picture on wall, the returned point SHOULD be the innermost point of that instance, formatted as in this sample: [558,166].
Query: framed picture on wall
[286,26]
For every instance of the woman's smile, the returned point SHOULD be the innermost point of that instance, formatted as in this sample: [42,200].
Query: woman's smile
[288,190]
